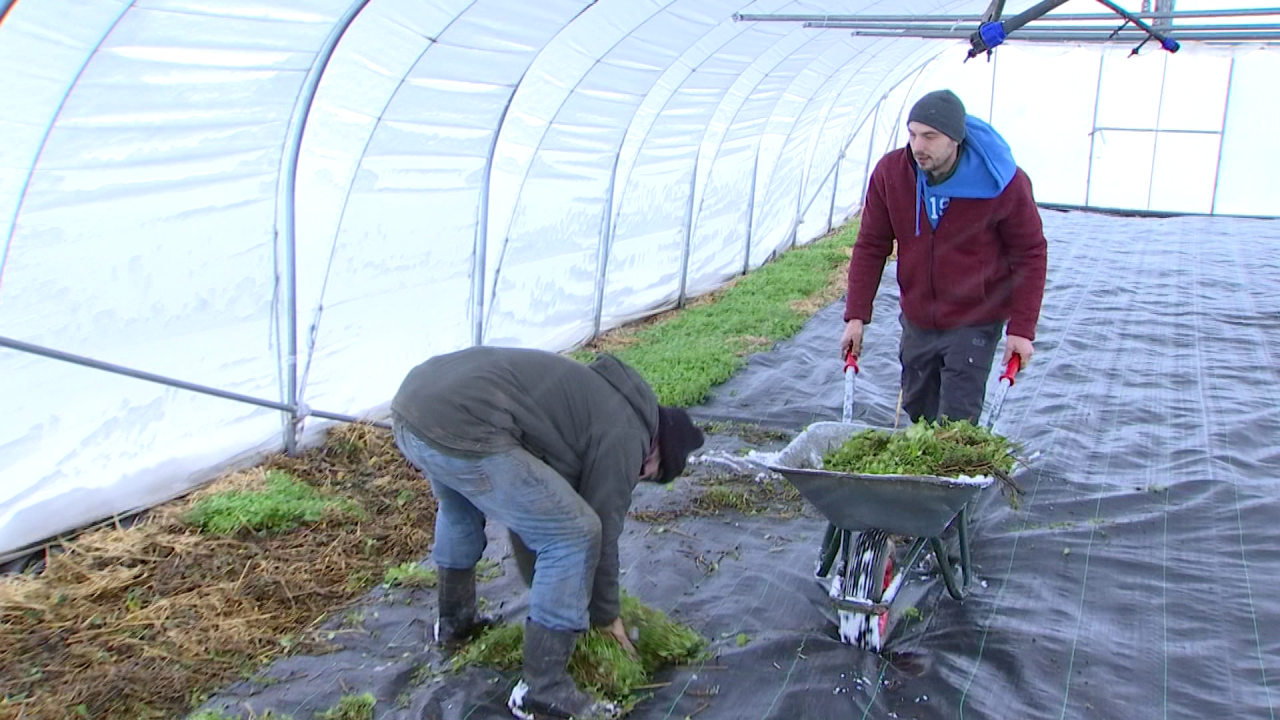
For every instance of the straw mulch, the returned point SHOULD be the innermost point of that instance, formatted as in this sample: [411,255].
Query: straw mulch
[146,621]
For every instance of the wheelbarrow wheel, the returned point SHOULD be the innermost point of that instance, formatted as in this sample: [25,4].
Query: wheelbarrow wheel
[866,573]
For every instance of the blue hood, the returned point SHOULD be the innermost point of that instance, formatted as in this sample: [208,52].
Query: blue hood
[985,167]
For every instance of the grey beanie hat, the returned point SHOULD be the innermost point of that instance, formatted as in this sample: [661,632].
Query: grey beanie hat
[941,110]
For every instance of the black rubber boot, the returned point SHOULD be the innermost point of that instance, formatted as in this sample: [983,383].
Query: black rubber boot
[546,690]
[458,620]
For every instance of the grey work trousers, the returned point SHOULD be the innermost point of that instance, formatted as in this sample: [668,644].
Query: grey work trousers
[944,372]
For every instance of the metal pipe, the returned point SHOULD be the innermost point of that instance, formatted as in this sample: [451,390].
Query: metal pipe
[1093,133]
[480,257]
[799,217]
[859,605]
[1165,41]
[751,213]
[52,354]
[843,149]
[688,235]
[991,106]
[994,11]
[835,187]
[25,186]
[607,231]
[289,187]
[1258,12]
[1155,141]
[1184,132]
[1096,27]
[871,151]
[1130,212]
[1033,36]
[1222,136]
[1035,12]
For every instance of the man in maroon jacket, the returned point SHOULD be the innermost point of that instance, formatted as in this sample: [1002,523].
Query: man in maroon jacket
[971,257]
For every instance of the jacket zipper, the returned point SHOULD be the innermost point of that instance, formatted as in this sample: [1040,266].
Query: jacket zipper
[933,288]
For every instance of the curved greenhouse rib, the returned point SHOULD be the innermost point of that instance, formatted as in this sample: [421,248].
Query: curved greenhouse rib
[847,139]
[53,120]
[583,162]
[641,124]
[318,310]
[799,80]
[515,208]
[288,187]
[577,26]
[800,206]
[830,101]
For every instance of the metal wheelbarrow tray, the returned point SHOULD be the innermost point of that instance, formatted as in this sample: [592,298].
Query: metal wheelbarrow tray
[864,511]
[913,505]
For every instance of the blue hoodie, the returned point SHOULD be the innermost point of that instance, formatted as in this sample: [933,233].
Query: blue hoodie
[983,170]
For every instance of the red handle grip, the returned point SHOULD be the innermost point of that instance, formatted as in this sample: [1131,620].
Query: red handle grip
[1015,364]
[851,361]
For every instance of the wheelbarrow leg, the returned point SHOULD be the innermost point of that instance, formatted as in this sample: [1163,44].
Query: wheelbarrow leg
[900,574]
[944,566]
[831,541]
[962,530]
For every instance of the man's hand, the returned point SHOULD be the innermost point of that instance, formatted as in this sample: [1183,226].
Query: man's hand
[851,341]
[619,632]
[1021,346]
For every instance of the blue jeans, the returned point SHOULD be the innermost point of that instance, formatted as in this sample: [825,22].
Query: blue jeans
[533,501]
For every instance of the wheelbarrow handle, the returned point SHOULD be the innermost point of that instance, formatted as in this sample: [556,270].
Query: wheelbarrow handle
[851,361]
[1015,364]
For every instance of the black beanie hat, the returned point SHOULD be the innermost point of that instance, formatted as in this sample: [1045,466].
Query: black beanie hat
[942,111]
[677,437]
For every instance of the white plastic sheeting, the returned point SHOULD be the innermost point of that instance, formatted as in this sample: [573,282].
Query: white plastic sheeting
[469,171]
[1175,133]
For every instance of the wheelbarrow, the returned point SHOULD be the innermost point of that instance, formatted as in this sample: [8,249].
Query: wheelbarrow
[864,512]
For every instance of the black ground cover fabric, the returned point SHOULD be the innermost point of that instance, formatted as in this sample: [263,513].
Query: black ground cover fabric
[1140,577]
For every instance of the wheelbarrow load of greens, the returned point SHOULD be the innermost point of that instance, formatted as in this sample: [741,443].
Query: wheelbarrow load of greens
[874,485]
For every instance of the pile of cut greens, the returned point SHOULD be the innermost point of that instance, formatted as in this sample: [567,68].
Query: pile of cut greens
[944,449]
[599,664]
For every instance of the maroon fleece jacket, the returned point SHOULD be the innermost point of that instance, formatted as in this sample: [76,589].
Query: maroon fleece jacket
[985,263]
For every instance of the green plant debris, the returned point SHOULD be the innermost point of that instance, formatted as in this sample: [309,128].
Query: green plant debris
[1036,526]
[748,497]
[423,674]
[284,504]
[945,449]
[748,432]
[742,639]
[723,496]
[223,715]
[488,569]
[684,355]
[360,580]
[351,707]
[146,621]
[410,575]
[912,613]
[599,664]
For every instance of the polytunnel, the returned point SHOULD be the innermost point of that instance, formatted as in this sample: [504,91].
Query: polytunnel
[231,226]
